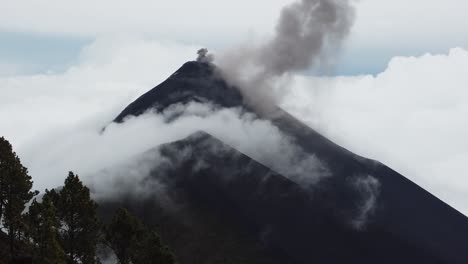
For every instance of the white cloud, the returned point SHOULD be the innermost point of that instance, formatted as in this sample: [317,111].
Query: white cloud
[369,188]
[389,23]
[412,117]
[87,150]
[55,120]
[111,73]
[10,68]
[408,21]
[192,19]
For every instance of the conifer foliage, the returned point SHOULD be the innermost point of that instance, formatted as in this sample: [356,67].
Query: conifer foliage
[62,226]
[15,193]
[133,242]
[43,232]
[79,225]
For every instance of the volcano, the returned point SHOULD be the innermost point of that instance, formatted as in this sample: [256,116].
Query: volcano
[232,208]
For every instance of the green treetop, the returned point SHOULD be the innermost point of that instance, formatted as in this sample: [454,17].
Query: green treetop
[79,224]
[15,193]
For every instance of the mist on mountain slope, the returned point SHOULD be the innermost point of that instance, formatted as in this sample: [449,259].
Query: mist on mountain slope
[357,112]
[304,27]
[412,117]
[91,150]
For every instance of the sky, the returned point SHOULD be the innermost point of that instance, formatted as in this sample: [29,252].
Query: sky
[41,35]
[396,92]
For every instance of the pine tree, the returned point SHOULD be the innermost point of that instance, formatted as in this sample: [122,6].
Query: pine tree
[122,234]
[15,193]
[150,250]
[133,242]
[43,231]
[79,224]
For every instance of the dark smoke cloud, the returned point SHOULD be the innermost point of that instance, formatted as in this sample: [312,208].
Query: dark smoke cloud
[303,30]
[204,56]
[307,32]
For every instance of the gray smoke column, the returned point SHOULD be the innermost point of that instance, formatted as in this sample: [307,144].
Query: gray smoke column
[204,56]
[308,31]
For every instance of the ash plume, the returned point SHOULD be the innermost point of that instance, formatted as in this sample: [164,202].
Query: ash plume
[307,32]
[204,56]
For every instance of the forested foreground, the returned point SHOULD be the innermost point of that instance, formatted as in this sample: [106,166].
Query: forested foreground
[62,226]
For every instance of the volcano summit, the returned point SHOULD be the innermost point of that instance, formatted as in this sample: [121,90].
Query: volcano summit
[329,206]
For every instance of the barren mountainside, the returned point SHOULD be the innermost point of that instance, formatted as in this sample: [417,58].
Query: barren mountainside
[234,209]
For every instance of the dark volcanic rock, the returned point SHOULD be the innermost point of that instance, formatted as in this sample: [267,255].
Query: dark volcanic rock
[297,224]
[278,220]
[193,82]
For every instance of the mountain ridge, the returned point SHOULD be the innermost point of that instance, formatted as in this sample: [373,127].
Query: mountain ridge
[403,209]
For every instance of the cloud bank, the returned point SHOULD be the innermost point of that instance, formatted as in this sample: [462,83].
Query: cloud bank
[110,73]
[412,117]
[87,150]
[379,21]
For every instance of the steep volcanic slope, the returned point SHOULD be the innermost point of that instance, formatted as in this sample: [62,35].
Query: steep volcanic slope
[194,81]
[404,208]
[275,220]
[313,223]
